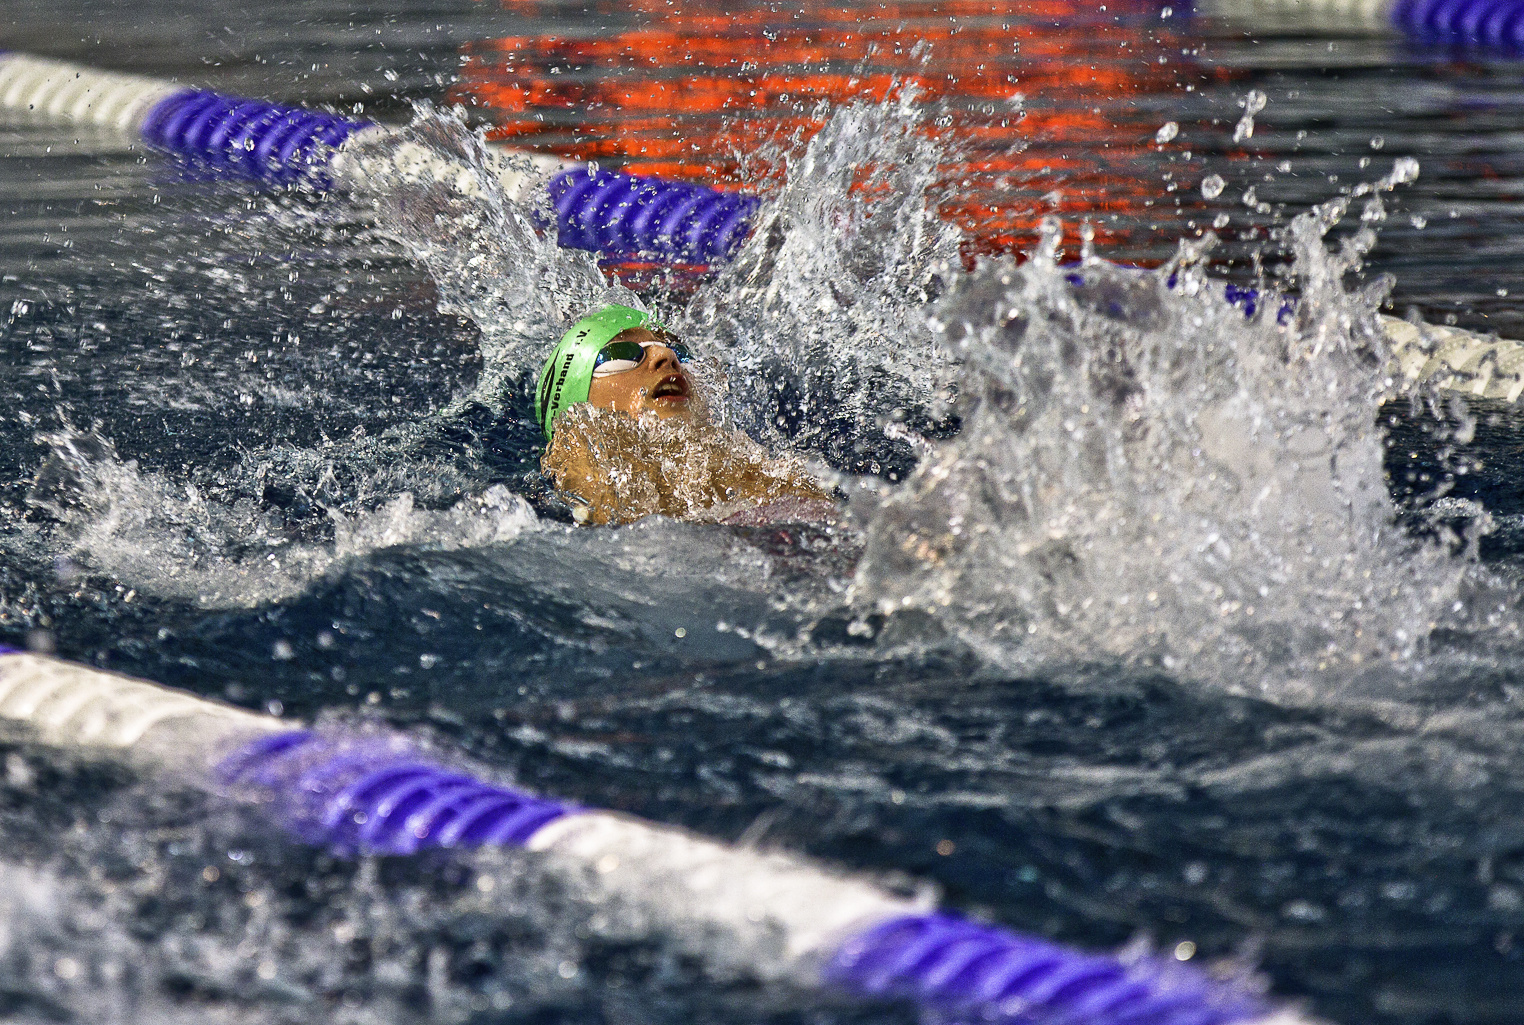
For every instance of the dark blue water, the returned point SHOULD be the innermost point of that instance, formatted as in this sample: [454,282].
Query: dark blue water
[248,451]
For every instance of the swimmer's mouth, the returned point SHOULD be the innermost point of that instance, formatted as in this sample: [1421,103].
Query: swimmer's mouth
[673,386]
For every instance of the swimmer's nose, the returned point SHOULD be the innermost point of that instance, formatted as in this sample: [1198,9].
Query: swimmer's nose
[662,358]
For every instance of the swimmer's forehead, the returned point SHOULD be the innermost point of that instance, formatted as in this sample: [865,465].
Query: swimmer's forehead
[643,334]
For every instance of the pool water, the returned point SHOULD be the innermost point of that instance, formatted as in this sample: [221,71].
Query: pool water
[1150,623]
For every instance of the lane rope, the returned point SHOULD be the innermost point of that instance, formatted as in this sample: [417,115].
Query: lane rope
[379,794]
[1495,24]
[1422,355]
[603,211]
[618,215]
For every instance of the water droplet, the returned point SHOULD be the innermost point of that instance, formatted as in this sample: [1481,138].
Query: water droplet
[1404,170]
[1378,142]
[1166,132]
[1212,186]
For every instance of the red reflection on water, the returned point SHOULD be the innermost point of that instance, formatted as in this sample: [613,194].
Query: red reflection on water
[683,93]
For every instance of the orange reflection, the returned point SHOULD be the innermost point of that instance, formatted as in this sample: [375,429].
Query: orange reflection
[684,93]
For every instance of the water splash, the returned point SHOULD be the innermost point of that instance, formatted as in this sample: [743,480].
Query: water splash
[488,256]
[818,319]
[174,540]
[820,316]
[1146,478]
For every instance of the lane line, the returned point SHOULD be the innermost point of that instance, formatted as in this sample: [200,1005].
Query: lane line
[378,793]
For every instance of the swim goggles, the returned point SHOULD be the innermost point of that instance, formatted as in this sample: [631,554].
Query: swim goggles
[618,357]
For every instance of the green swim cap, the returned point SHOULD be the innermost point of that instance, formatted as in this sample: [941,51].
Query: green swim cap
[568,373]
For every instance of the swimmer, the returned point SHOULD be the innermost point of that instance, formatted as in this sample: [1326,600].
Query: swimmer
[628,435]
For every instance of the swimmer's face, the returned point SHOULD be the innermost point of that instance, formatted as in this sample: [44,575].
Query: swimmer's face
[656,383]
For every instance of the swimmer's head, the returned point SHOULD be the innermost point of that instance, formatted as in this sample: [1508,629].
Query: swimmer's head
[617,359]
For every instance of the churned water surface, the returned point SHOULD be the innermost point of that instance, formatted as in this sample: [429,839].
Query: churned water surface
[1150,622]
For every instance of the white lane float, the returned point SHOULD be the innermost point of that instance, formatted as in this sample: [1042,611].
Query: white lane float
[371,794]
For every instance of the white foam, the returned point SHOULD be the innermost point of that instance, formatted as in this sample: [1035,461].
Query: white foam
[1144,477]
[170,540]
